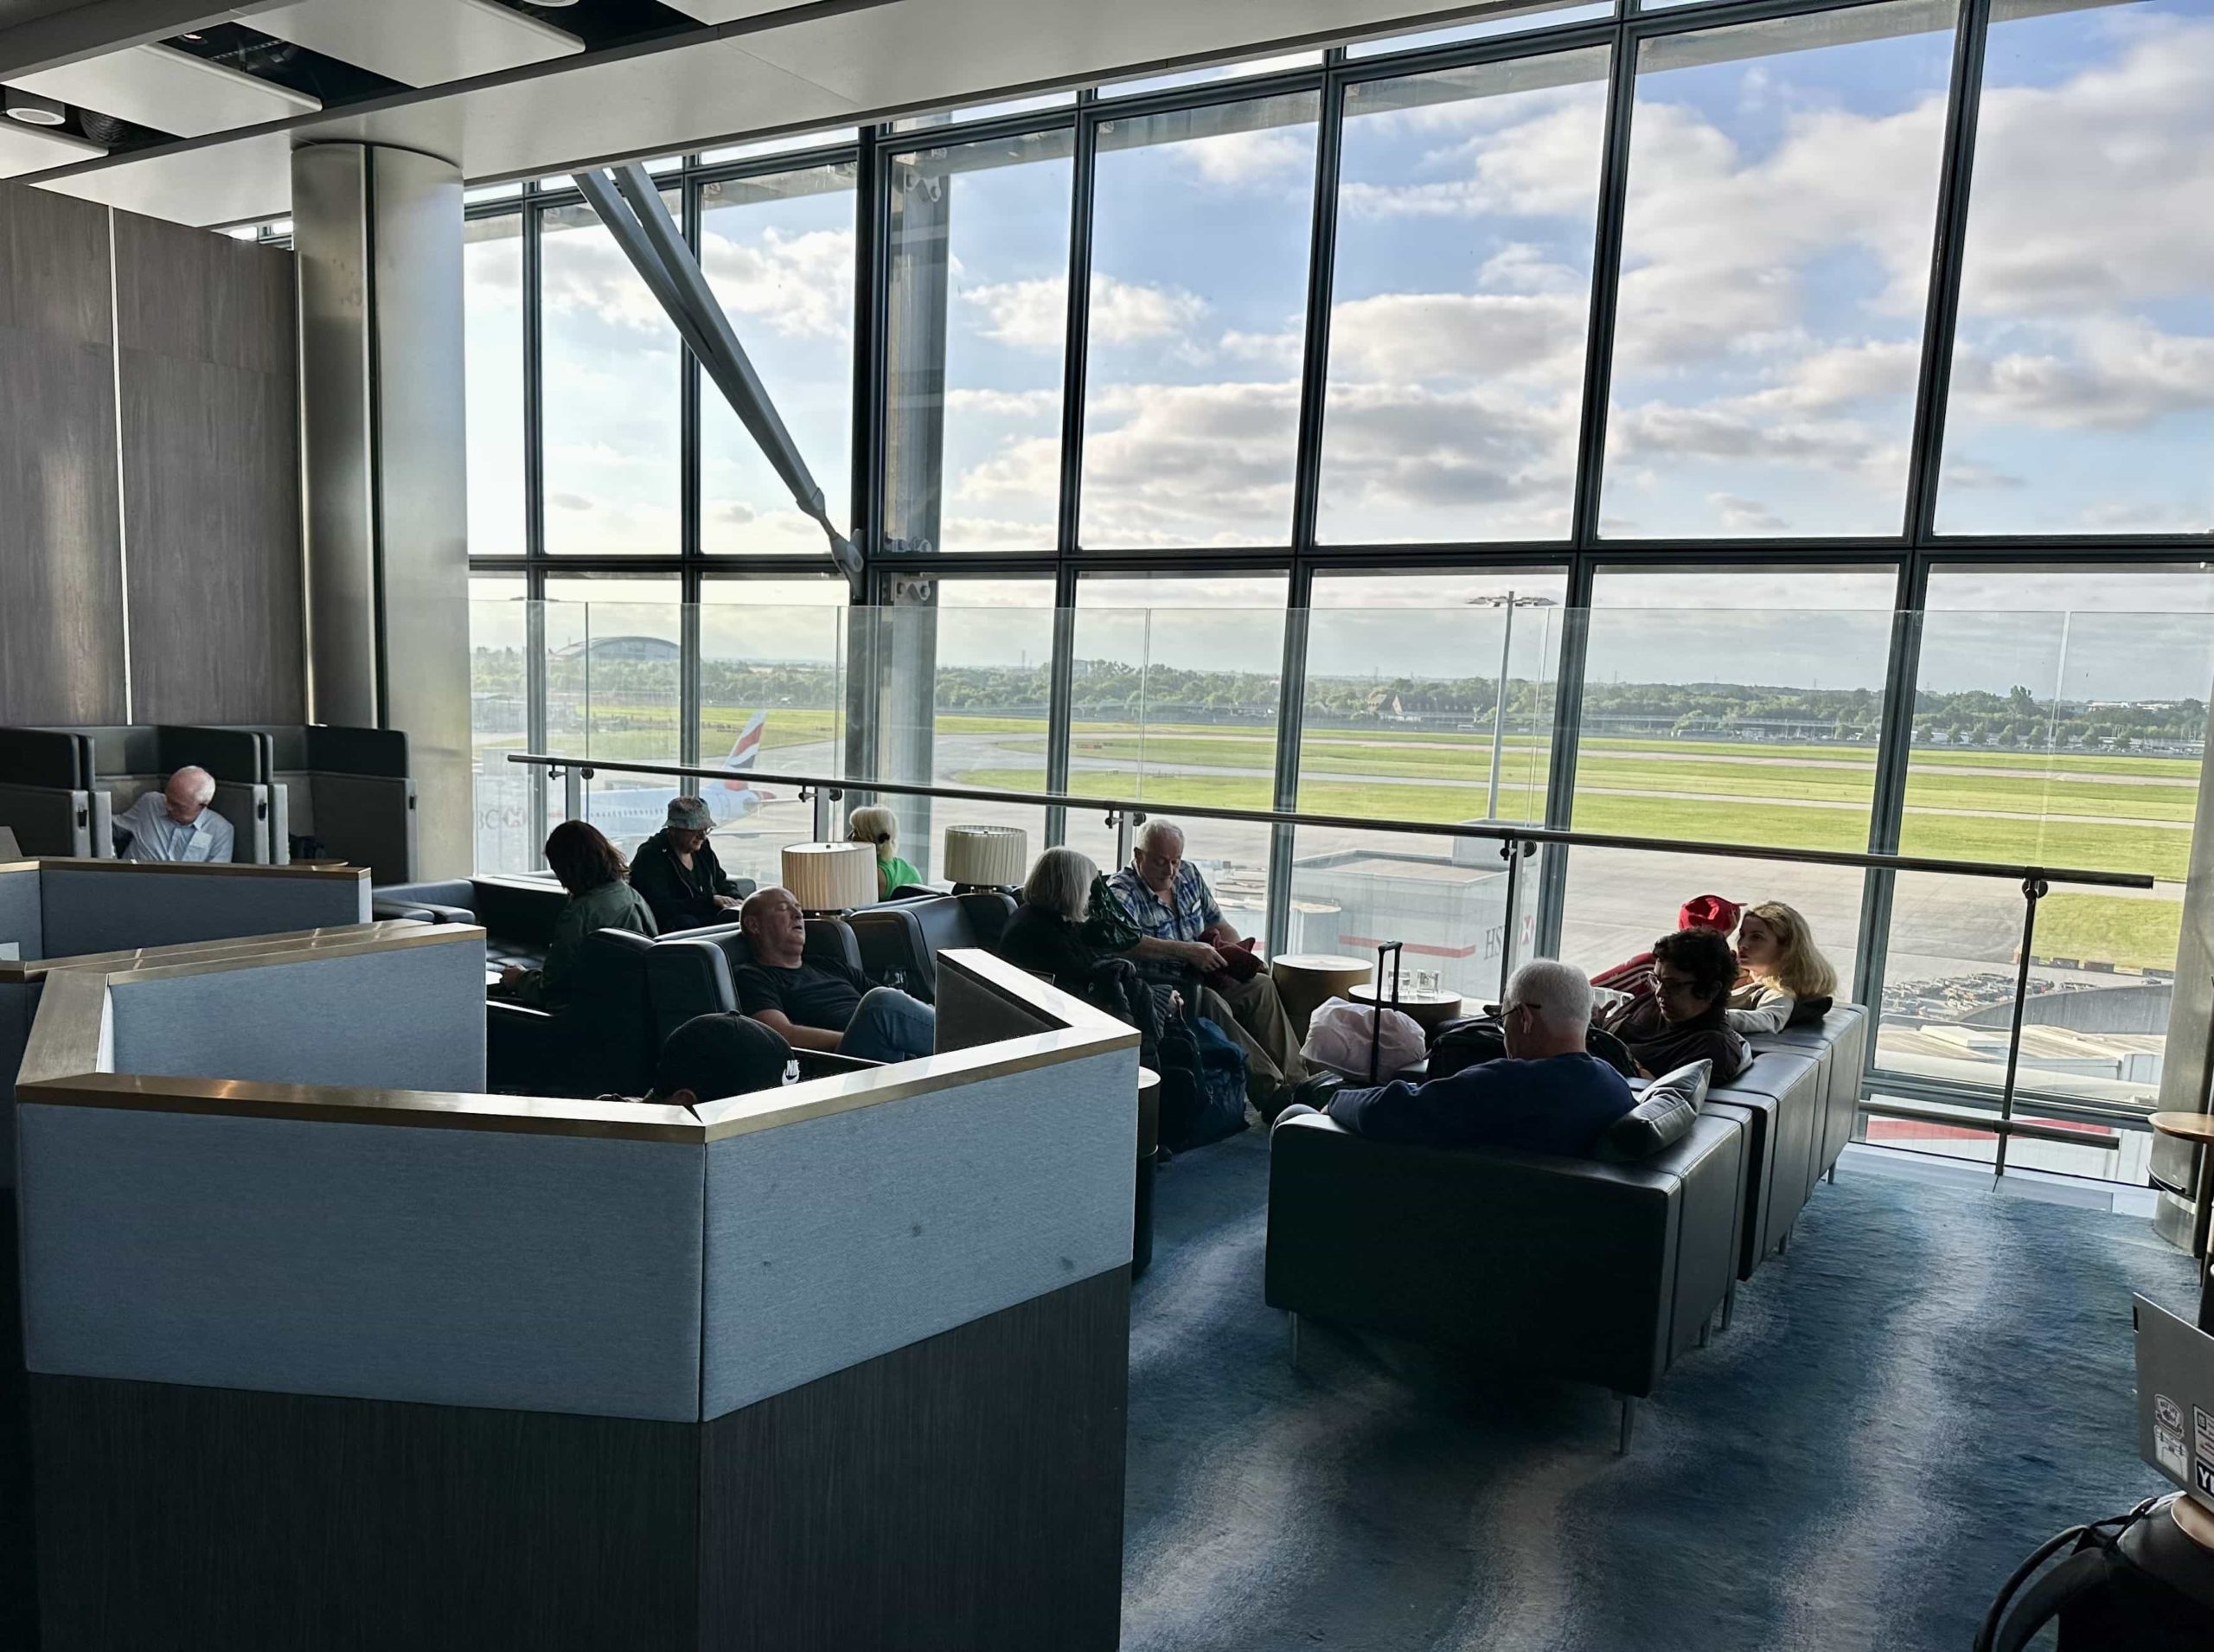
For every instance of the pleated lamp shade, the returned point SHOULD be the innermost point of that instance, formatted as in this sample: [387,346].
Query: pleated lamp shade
[831,877]
[993,856]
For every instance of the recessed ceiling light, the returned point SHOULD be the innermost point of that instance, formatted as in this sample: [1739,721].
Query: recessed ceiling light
[35,111]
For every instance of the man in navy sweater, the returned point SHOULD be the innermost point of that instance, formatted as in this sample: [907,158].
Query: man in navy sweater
[1546,1095]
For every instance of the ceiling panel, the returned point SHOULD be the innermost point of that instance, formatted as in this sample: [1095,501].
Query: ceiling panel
[593,112]
[170,90]
[418,42]
[226,183]
[946,50]
[33,149]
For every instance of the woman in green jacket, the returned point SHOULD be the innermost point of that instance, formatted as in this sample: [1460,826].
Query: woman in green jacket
[879,827]
[597,877]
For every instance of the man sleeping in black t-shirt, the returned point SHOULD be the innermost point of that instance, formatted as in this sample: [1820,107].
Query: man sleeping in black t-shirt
[816,1005]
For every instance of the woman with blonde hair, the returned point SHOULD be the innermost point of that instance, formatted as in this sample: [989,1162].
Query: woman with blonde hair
[1781,974]
[879,827]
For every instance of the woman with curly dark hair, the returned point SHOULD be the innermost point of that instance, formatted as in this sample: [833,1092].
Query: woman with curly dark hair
[1686,1019]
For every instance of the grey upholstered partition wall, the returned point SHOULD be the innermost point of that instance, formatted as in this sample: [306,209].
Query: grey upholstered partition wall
[20,924]
[835,1240]
[412,1019]
[94,907]
[832,1365]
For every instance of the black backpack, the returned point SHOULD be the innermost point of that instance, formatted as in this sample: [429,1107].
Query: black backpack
[1196,1105]
[2142,1585]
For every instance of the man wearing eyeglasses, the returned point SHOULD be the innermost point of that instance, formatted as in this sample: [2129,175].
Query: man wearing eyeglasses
[1547,1095]
[1686,1020]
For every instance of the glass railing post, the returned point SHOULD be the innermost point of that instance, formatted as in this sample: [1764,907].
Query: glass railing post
[1511,850]
[572,792]
[1125,822]
[2034,890]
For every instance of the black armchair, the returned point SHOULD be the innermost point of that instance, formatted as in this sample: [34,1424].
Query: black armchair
[1567,1268]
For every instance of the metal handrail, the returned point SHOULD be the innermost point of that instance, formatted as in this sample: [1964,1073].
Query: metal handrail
[1501,833]
[1514,842]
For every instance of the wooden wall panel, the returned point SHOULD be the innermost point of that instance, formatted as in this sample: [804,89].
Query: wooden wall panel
[210,475]
[60,582]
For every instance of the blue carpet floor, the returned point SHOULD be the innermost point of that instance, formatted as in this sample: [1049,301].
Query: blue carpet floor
[1935,1379]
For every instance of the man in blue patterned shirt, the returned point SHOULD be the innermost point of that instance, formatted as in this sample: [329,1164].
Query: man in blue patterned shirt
[1175,911]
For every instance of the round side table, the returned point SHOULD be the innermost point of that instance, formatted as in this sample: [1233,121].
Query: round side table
[1307,981]
[1430,1009]
[2197,1129]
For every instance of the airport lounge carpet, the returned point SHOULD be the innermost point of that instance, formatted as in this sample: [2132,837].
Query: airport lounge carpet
[1933,1380]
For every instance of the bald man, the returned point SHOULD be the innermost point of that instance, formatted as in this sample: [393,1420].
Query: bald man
[175,822]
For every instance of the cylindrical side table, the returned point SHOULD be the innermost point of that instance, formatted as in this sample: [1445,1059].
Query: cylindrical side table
[1429,1009]
[2197,1129]
[1149,1153]
[1307,981]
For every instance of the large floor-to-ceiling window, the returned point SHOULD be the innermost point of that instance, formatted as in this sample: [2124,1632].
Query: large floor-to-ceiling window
[1792,428]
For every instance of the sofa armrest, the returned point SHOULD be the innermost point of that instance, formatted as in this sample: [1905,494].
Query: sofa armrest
[423,912]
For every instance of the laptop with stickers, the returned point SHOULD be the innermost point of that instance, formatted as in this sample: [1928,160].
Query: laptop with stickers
[2175,1400]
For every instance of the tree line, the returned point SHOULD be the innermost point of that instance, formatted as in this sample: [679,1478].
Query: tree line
[1115,690]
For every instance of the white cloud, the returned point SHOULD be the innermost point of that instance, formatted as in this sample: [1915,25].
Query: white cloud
[1251,156]
[800,286]
[2104,374]
[1742,515]
[1033,314]
[1523,267]
[1418,337]
[1168,464]
[1005,404]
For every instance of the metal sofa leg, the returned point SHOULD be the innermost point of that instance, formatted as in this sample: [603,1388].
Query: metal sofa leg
[1729,1302]
[1294,1319]
[1783,1244]
[1705,1329]
[1629,1422]
[1830,1176]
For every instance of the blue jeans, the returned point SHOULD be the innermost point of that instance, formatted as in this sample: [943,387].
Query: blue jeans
[889,1026]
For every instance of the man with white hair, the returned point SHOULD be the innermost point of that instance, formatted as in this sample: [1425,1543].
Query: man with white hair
[1184,935]
[175,822]
[1546,1095]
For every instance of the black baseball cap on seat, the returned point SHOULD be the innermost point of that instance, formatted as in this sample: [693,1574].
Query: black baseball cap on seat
[720,1055]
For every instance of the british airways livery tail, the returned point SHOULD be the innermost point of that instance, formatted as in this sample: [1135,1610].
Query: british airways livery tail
[631,814]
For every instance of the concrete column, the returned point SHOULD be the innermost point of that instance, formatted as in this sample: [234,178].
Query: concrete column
[378,235]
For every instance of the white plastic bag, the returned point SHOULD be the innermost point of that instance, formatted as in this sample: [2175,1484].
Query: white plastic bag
[1340,1034]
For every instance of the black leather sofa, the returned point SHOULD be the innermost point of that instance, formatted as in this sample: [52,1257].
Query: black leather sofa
[1797,1100]
[1566,1268]
[517,912]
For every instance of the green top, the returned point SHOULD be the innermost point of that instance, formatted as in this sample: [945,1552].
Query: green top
[892,872]
[612,905]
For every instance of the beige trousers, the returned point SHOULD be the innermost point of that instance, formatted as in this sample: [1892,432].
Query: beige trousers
[1253,1015]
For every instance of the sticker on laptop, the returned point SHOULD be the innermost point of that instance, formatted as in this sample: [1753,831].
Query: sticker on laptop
[2168,1447]
[2203,1472]
[2202,1420]
[2166,1413]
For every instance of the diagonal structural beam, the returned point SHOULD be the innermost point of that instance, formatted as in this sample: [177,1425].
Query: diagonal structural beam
[629,204]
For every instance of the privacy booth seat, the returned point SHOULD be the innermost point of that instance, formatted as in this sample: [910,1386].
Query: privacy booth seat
[393,1362]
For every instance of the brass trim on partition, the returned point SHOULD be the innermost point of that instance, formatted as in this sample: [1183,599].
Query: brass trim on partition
[196,868]
[71,1034]
[18,970]
[342,1105]
[412,934]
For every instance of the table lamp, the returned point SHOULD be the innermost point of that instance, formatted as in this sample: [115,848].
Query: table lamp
[830,877]
[986,857]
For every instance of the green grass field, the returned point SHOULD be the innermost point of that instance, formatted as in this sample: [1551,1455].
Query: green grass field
[1961,804]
